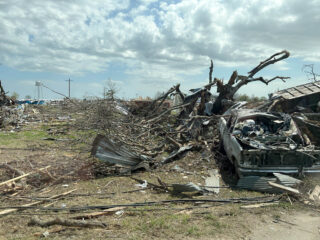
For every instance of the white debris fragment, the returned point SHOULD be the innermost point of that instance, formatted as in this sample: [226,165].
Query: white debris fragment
[142,185]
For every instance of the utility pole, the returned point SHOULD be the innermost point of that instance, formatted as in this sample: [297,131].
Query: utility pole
[69,86]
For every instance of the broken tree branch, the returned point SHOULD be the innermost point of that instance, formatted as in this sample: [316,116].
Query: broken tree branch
[167,111]
[210,71]
[7,211]
[12,170]
[106,212]
[175,88]
[271,60]
[227,91]
[163,202]
[65,222]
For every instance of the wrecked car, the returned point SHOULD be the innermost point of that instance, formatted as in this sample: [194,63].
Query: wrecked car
[261,143]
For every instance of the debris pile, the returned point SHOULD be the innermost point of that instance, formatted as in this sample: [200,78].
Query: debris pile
[4,99]
[269,147]
[165,134]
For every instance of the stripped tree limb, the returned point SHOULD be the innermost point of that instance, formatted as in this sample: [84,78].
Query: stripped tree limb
[65,222]
[11,210]
[271,60]
[227,91]
[167,111]
[210,71]
[266,81]
[252,200]
[106,212]
[175,88]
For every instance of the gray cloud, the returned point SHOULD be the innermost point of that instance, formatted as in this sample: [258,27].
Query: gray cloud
[85,36]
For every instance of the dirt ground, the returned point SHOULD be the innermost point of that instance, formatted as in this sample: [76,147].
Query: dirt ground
[295,226]
[50,140]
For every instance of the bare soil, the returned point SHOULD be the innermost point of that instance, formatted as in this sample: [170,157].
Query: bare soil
[297,225]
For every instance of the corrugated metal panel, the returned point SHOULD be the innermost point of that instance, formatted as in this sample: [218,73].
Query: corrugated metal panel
[287,180]
[257,183]
[299,91]
[108,151]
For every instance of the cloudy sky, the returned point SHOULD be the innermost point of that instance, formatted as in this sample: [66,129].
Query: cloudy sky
[146,46]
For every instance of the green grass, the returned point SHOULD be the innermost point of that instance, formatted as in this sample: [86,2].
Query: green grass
[17,138]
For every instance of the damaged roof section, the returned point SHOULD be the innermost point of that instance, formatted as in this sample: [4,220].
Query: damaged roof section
[302,98]
[299,91]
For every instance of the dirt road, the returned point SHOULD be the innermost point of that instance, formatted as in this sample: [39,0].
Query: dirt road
[300,225]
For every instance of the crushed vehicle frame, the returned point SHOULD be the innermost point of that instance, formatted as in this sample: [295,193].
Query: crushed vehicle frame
[273,143]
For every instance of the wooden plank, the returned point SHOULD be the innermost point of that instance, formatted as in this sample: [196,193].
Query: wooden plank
[282,187]
[258,205]
[315,194]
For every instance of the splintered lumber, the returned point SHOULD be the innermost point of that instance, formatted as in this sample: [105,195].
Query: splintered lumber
[258,205]
[315,194]
[284,188]
[22,176]
[106,212]
[65,222]
[8,211]
[55,230]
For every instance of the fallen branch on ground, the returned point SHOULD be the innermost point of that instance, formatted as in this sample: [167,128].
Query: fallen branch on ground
[12,170]
[106,212]
[65,222]
[164,202]
[22,176]
[11,210]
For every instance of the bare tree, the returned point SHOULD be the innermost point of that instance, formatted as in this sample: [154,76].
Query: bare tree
[226,91]
[308,70]
[14,95]
[111,90]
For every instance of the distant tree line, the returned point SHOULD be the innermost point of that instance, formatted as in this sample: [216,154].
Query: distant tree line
[252,98]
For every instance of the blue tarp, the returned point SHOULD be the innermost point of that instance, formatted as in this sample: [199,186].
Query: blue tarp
[33,102]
